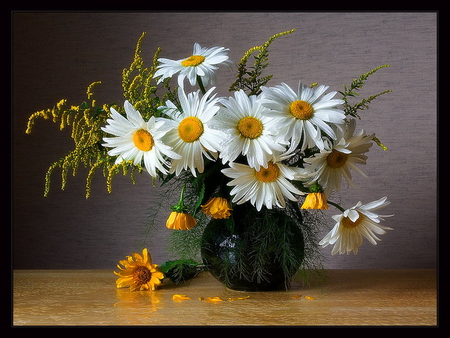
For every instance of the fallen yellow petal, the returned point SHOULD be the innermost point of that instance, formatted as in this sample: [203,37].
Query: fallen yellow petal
[239,298]
[296,296]
[179,298]
[310,298]
[212,299]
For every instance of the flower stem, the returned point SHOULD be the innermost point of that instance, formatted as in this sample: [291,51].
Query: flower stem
[200,84]
[180,207]
[337,206]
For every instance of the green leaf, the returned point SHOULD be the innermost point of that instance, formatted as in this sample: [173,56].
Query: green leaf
[180,269]
[200,187]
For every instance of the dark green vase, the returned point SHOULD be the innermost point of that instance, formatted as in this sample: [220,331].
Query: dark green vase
[254,251]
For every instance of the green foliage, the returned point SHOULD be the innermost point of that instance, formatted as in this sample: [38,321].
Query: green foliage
[180,270]
[139,86]
[86,119]
[352,91]
[249,78]
[266,236]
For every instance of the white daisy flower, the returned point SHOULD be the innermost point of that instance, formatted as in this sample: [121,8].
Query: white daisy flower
[203,62]
[353,224]
[137,140]
[268,186]
[304,113]
[335,161]
[191,135]
[249,131]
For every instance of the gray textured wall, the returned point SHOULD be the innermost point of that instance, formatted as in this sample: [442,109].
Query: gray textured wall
[56,55]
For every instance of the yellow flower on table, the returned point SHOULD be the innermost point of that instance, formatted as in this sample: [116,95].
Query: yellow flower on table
[138,273]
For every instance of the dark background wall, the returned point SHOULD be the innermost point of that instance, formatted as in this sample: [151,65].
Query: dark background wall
[56,55]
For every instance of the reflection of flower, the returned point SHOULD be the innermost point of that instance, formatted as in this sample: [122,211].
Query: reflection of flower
[129,305]
[138,272]
[191,136]
[137,140]
[217,207]
[305,113]
[249,129]
[268,186]
[180,221]
[203,62]
[353,224]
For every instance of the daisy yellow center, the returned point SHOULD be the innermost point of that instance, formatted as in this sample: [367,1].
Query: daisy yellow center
[336,159]
[348,223]
[250,127]
[142,275]
[193,61]
[143,140]
[190,129]
[301,110]
[268,174]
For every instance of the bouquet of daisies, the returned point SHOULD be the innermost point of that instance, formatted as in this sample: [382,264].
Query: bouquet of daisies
[262,146]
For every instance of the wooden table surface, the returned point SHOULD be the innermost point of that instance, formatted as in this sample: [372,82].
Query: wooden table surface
[348,297]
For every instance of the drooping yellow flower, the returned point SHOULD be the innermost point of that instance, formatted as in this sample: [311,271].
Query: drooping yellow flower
[315,200]
[138,272]
[180,221]
[217,207]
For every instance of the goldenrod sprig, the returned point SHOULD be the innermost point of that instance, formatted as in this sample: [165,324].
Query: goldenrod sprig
[138,83]
[352,91]
[251,80]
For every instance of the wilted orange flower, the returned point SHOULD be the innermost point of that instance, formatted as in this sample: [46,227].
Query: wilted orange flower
[315,200]
[217,207]
[180,221]
[138,272]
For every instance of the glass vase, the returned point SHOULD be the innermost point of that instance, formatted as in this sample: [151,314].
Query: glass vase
[254,250]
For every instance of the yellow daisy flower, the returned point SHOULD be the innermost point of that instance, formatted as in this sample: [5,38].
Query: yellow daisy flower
[217,207]
[138,273]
